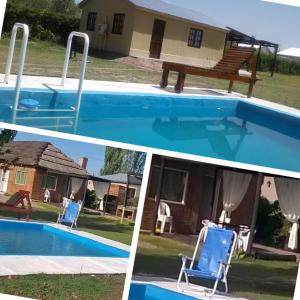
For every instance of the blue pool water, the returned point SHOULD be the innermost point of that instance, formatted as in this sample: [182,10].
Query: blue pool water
[228,129]
[18,238]
[140,291]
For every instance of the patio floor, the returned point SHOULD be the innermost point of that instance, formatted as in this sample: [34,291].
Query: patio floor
[170,284]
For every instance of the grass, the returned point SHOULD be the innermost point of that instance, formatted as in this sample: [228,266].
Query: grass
[64,287]
[249,278]
[46,59]
[107,227]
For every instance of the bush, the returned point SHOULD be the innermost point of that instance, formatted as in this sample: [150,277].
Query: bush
[272,228]
[43,24]
[91,200]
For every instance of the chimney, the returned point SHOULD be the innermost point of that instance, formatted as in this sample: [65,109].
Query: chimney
[83,162]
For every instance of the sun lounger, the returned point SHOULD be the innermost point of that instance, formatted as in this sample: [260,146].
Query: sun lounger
[228,68]
[19,202]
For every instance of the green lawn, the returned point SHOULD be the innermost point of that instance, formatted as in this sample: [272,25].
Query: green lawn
[249,278]
[44,58]
[107,227]
[79,287]
[64,287]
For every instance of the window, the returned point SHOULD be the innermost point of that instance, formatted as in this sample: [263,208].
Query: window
[21,177]
[195,38]
[173,186]
[118,23]
[91,20]
[49,182]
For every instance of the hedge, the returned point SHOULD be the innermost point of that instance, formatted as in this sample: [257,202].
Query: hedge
[283,65]
[43,25]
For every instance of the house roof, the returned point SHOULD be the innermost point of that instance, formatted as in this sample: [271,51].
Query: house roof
[41,154]
[173,10]
[122,178]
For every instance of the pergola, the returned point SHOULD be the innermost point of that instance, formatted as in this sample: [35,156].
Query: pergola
[235,36]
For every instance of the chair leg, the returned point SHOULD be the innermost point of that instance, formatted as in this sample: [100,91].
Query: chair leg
[162,229]
[230,87]
[226,285]
[250,90]
[180,82]
[171,227]
[179,280]
[164,78]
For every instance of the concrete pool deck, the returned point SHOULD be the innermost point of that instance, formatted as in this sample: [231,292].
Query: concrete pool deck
[170,284]
[43,82]
[27,264]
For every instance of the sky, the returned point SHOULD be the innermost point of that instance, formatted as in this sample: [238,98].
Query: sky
[263,19]
[73,149]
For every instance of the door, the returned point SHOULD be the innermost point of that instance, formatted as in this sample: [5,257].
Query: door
[4,181]
[157,38]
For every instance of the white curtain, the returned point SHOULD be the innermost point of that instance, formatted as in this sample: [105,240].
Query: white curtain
[76,184]
[288,191]
[101,188]
[235,185]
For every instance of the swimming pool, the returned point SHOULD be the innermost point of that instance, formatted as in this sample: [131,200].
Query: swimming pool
[223,128]
[26,238]
[141,291]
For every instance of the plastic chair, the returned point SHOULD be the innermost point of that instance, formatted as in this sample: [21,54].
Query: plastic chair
[164,217]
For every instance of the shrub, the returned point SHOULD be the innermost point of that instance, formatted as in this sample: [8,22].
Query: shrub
[43,24]
[91,200]
[271,226]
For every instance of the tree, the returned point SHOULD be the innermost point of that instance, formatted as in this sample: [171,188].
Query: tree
[123,161]
[7,136]
[64,6]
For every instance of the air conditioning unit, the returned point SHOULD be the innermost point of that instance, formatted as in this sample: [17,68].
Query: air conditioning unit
[102,28]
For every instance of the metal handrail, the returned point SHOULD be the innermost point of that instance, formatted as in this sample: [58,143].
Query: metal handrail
[12,43]
[83,63]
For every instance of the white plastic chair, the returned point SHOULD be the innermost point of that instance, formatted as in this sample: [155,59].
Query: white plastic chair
[47,196]
[243,238]
[164,217]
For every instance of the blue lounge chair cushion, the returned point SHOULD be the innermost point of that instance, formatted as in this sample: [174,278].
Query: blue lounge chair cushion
[215,250]
[71,213]
[29,103]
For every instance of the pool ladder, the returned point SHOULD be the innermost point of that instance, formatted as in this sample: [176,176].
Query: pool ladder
[15,107]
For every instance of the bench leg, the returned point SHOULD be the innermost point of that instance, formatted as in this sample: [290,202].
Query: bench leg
[180,82]
[230,86]
[164,78]
[250,90]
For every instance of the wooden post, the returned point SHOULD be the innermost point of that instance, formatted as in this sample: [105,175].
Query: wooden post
[216,195]
[157,194]
[104,206]
[126,198]
[274,61]
[259,182]
[230,86]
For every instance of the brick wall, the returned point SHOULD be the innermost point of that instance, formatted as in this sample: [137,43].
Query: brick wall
[12,187]
[198,202]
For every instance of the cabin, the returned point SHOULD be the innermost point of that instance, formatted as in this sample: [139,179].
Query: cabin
[153,29]
[35,166]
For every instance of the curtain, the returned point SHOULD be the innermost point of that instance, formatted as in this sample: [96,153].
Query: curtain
[101,188]
[76,184]
[288,191]
[235,185]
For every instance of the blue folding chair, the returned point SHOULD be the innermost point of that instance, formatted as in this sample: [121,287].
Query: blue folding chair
[214,258]
[70,214]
